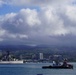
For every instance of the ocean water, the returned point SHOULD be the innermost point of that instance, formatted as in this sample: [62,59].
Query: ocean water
[33,69]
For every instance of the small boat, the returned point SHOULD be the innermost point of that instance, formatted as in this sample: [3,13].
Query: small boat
[58,67]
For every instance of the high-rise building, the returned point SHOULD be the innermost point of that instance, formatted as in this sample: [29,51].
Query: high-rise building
[41,55]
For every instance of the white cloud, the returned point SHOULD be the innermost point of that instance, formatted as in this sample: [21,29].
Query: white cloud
[23,36]
[31,16]
[70,18]
[71,13]
[2,32]
[53,22]
[16,36]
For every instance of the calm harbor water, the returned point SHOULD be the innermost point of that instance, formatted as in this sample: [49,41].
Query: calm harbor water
[33,69]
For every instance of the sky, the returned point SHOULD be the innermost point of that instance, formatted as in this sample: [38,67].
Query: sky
[38,22]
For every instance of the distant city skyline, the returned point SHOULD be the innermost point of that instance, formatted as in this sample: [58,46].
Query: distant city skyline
[38,22]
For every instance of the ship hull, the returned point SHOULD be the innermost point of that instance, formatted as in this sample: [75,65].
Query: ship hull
[58,67]
[11,62]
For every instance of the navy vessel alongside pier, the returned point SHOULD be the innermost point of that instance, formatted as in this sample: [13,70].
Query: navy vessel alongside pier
[8,59]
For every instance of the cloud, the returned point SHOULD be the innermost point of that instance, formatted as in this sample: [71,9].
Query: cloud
[52,24]
[31,16]
[38,2]
[19,25]
[2,2]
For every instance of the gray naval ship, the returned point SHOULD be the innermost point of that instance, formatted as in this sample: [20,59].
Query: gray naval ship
[7,59]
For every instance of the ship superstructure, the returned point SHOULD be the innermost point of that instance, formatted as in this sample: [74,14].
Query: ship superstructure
[8,59]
